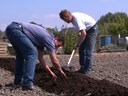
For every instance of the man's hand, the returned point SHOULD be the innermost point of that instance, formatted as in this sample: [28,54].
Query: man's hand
[55,63]
[81,38]
[76,46]
[53,75]
[62,73]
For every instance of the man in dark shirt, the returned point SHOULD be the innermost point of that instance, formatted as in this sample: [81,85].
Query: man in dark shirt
[29,41]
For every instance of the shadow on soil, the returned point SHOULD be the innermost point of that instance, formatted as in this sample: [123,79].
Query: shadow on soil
[76,85]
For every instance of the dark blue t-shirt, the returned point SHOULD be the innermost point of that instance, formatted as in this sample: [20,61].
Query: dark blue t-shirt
[39,36]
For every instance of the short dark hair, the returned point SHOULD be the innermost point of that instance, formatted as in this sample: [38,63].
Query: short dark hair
[64,13]
[59,38]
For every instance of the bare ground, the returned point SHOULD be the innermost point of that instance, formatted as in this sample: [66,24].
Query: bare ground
[109,77]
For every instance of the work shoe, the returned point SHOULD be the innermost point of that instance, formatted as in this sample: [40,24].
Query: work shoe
[83,72]
[31,87]
[17,83]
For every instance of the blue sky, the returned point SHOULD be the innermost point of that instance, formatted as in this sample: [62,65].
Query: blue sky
[46,12]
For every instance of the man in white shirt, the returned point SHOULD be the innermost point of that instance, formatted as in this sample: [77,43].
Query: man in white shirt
[87,33]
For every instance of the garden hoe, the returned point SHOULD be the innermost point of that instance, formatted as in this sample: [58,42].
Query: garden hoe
[71,57]
[67,67]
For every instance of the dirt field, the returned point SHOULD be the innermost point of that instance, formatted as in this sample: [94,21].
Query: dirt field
[109,77]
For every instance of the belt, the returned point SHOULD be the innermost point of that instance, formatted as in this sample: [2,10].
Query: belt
[93,26]
[19,25]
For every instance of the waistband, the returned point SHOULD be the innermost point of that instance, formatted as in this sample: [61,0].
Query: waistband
[19,25]
[93,26]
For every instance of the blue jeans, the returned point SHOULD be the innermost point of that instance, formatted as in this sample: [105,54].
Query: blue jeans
[26,54]
[86,49]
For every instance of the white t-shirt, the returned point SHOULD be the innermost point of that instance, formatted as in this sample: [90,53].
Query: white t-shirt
[82,21]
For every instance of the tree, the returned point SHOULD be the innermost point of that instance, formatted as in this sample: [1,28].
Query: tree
[70,36]
[113,24]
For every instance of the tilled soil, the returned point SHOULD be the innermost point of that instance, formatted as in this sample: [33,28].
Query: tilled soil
[109,77]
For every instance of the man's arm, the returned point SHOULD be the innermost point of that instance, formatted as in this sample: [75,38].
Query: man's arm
[55,63]
[54,60]
[43,63]
[81,37]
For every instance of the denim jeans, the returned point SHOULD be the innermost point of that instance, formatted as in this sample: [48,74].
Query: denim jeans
[26,54]
[86,49]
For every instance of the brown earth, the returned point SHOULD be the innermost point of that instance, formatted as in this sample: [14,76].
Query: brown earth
[109,77]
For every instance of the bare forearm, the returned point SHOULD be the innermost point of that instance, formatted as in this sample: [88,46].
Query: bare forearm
[80,40]
[54,60]
[46,67]
[43,63]
[56,64]
[81,37]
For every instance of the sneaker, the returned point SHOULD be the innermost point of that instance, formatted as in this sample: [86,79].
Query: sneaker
[31,87]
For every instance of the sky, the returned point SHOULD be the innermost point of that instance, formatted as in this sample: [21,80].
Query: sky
[46,12]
